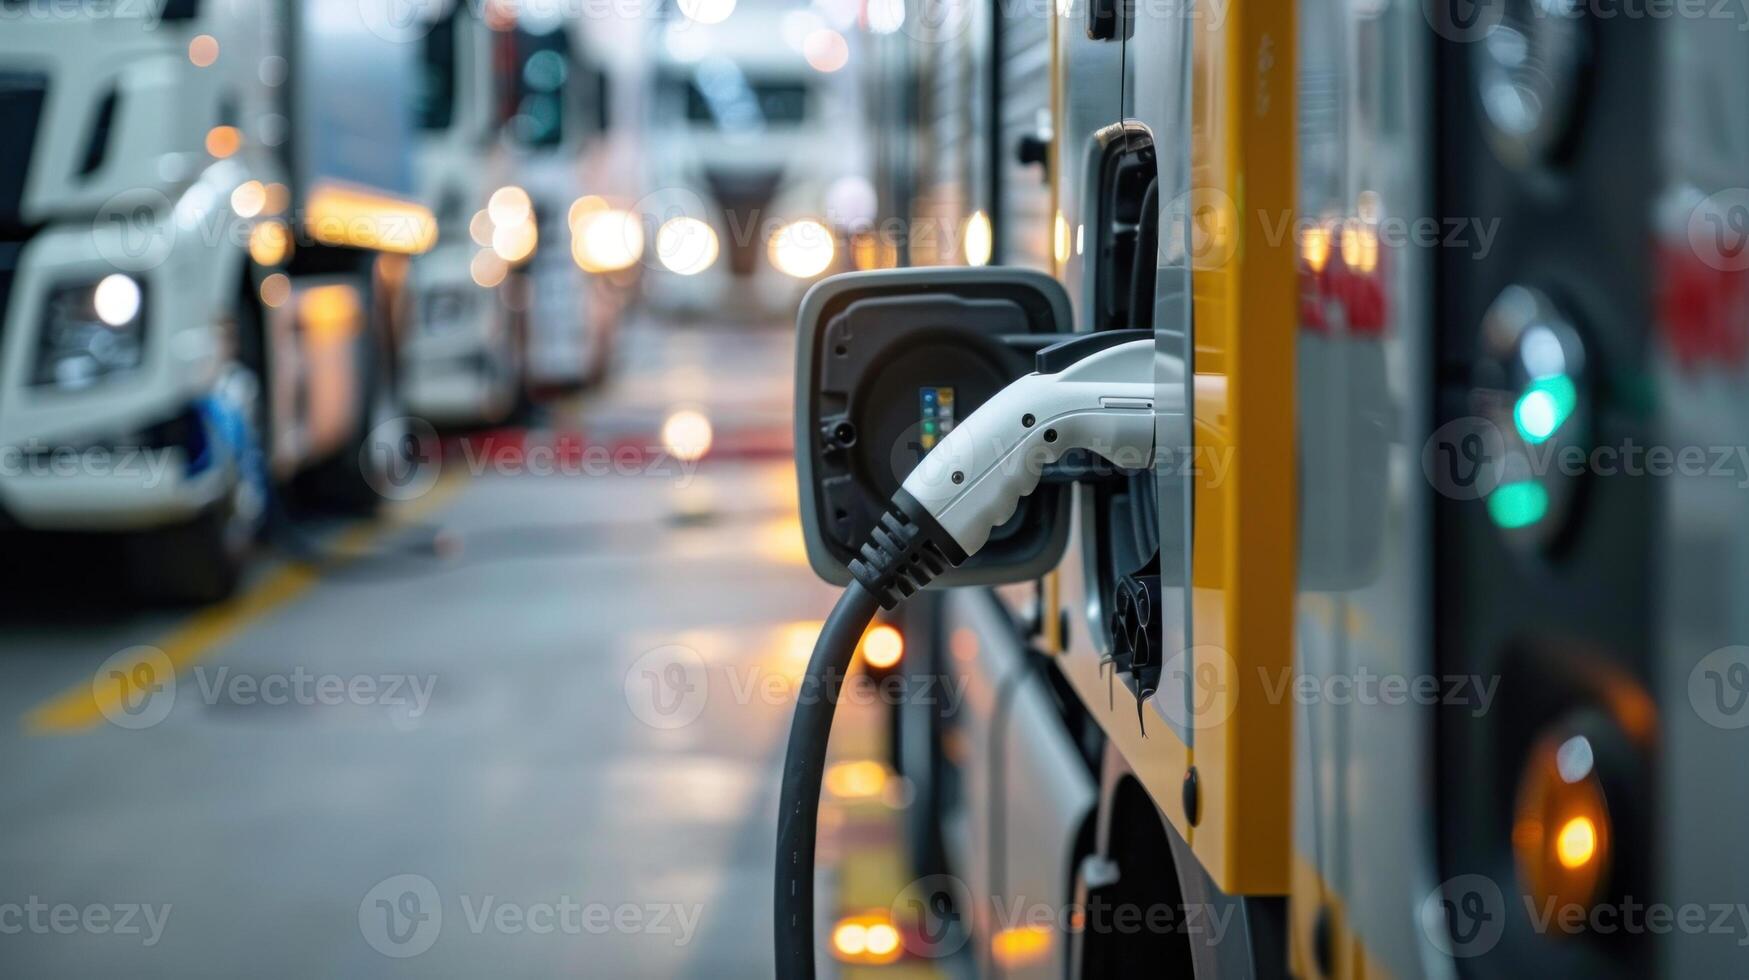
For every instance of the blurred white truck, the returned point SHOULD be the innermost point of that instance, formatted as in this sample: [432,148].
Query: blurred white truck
[580,277]
[755,163]
[463,360]
[205,209]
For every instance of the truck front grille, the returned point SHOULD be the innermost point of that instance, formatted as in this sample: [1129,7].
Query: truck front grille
[745,198]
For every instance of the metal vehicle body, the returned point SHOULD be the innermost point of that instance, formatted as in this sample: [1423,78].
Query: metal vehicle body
[1361,754]
[755,165]
[462,362]
[189,277]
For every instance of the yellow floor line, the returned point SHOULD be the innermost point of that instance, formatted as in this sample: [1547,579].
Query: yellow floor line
[83,706]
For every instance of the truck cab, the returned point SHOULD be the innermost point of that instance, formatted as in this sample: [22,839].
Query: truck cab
[559,139]
[205,242]
[463,359]
[754,162]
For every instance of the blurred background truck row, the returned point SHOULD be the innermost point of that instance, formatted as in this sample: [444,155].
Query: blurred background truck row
[245,244]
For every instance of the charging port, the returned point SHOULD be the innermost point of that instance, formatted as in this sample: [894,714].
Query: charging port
[1123,511]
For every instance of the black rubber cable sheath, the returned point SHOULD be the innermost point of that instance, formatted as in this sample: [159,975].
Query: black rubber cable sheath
[804,766]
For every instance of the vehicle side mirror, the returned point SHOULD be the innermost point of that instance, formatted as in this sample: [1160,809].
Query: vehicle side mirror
[886,363]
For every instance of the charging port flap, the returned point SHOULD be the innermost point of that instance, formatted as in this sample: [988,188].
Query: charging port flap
[887,363]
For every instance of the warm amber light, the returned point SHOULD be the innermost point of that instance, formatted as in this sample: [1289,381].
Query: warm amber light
[1315,247]
[1060,238]
[1020,945]
[978,239]
[1563,831]
[865,252]
[330,314]
[869,939]
[269,243]
[515,243]
[1360,247]
[882,939]
[802,249]
[1576,844]
[850,939]
[687,435]
[882,647]
[586,204]
[858,780]
[796,640]
[605,239]
[509,206]
[223,141]
[360,219]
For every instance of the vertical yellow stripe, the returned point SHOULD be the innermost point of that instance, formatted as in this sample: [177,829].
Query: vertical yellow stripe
[1244,178]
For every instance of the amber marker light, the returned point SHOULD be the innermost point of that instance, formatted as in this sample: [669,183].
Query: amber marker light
[859,780]
[870,939]
[1562,831]
[223,141]
[883,647]
[1576,843]
[1020,946]
[336,215]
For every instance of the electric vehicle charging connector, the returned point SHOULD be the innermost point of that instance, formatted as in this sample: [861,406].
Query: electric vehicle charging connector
[1089,395]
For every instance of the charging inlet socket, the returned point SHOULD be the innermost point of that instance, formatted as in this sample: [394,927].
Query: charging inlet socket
[887,363]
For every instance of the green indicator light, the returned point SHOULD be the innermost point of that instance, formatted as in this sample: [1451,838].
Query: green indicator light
[1544,407]
[1516,505]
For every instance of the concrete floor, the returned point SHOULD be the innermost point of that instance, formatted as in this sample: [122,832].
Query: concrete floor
[574,773]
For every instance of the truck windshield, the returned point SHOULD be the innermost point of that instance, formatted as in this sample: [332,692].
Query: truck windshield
[434,101]
[542,80]
[162,10]
[720,94]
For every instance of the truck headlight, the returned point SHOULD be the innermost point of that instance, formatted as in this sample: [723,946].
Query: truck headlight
[605,239]
[686,246]
[802,249]
[91,331]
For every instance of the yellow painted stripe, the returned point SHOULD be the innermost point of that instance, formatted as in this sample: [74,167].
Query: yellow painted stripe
[82,707]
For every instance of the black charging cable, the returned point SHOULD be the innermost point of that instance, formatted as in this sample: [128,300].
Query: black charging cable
[904,553]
